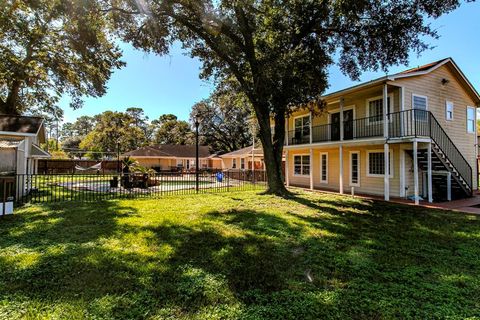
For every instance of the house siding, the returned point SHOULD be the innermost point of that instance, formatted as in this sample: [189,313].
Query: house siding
[368,184]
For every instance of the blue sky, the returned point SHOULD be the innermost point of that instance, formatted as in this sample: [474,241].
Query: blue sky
[170,84]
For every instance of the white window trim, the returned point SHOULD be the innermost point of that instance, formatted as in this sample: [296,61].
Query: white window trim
[234,163]
[326,173]
[420,96]
[426,107]
[368,164]
[474,120]
[242,163]
[301,116]
[358,166]
[367,103]
[446,110]
[293,162]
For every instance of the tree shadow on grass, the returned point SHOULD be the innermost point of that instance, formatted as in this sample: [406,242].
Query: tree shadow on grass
[394,260]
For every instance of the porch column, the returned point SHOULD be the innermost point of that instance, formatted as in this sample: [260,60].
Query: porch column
[342,102]
[449,186]
[287,179]
[386,176]
[311,168]
[429,173]
[415,171]
[340,181]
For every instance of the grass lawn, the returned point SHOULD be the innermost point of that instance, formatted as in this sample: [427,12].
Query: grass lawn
[241,256]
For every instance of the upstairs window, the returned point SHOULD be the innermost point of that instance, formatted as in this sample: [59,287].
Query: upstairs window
[470,119]
[449,110]
[302,128]
[420,103]
[375,109]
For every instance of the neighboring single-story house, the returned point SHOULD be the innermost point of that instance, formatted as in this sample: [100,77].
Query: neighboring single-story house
[171,157]
[243,158]
[20,139]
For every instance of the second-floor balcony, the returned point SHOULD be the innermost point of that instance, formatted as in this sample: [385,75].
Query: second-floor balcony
[408,123]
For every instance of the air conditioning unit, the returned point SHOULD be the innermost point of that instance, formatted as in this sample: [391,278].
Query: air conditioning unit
[6,207]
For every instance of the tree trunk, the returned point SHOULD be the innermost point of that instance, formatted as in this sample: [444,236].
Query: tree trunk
[9,106]
[272,150]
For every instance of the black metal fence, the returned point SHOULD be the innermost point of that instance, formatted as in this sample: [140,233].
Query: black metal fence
[48,188]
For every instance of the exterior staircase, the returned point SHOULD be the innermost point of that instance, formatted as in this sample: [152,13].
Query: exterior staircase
[446,158]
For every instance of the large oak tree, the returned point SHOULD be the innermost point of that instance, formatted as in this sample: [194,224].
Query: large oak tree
[49,48]
[279,51]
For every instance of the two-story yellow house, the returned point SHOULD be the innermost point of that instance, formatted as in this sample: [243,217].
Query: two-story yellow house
[412,134]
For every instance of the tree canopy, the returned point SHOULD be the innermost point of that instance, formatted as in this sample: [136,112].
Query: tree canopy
[225,122]
[279,51]
[50,48]
[170,130]
[113,130]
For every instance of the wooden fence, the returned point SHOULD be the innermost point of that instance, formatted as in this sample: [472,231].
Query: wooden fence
[53,166]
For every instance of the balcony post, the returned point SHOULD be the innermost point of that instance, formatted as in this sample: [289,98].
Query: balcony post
[311,127]
[342,102]
[340,181]
[402,108]
[286,129]
[415,171]
[385,111]
[429,173]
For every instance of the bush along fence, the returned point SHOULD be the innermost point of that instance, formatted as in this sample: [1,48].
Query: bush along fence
[94,187]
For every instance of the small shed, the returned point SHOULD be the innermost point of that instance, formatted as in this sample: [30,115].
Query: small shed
[20,139]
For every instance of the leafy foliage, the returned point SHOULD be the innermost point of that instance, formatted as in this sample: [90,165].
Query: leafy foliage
[51,48]
[237,256]
[170,130]
[112,131]
[279,51]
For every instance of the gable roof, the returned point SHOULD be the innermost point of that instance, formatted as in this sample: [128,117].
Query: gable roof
[413,72]
[20,124]
[169,150]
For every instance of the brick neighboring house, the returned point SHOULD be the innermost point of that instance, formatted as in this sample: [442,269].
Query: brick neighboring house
[417,126]
[170,157]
